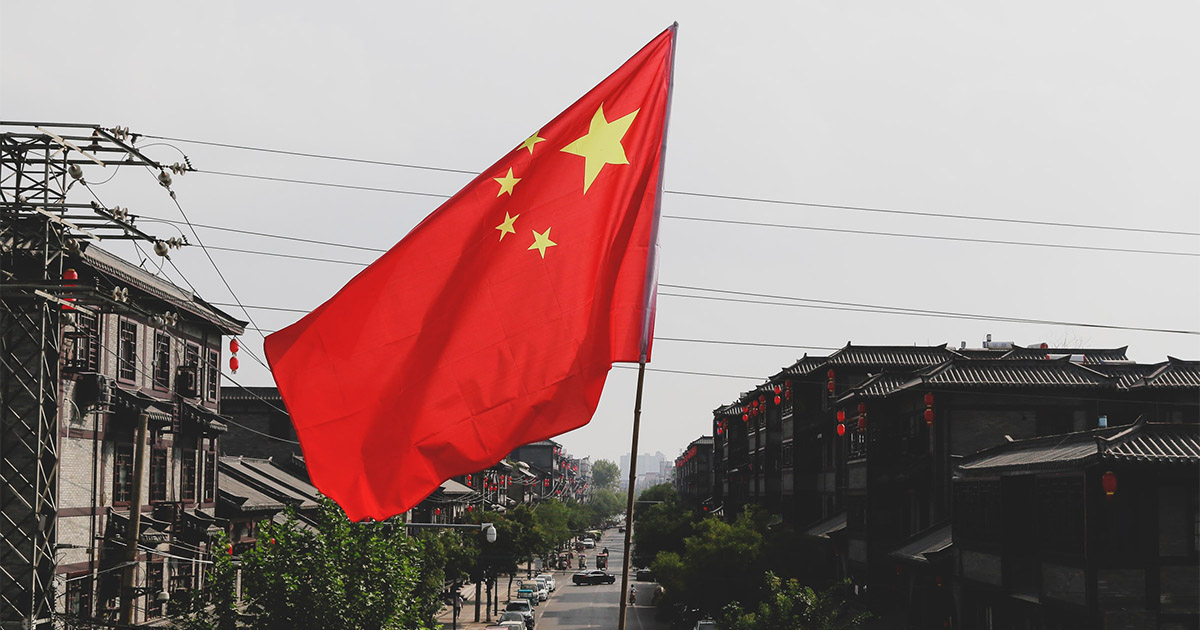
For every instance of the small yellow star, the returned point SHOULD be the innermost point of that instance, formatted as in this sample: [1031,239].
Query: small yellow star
[601,145]
[542,241]
[532,140]
[507,226]
[507,183]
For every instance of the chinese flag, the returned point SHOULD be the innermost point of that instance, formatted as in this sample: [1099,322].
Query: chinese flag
[493,323]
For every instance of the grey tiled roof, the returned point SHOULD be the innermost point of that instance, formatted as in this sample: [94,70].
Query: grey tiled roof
[880,385]
[912,356]
[1162,443]
[1174,373]
[1015,373]
[1145,442]
[1090,356]
[824,528]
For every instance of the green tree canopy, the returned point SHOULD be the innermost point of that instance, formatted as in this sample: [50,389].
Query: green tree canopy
[605,475]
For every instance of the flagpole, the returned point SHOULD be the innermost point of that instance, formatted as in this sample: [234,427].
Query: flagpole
[633,449]
[650,297]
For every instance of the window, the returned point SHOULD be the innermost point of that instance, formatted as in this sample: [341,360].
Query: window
[212,372]
[154,584]
[79,595]
[182,576]
[210,476]
[127,351]
[187,472]
[162,360]
[123,472]
[84,355]
[158,474]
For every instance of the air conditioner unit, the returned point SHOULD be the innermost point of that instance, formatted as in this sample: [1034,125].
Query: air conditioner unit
[187,381]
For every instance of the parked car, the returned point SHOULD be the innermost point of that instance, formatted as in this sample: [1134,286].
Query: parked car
[550,583]
[528,594]
[706,624]
[513,625]
[645,575]
[589,543]
[509,616]
[538,588]
[544,584]
[594,577]
[521,606]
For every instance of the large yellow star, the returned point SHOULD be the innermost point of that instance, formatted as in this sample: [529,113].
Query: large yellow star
[601,145]
[507,183]
[542,241]
[507,226]
[532,140]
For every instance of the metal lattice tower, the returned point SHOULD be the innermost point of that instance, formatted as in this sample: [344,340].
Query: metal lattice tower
[39,163]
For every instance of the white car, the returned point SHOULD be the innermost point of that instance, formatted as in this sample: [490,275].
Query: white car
[549,581]
[544,584]
[522,606]
[588,543]
[538,588]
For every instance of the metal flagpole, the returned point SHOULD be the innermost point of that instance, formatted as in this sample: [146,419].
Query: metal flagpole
[637,419]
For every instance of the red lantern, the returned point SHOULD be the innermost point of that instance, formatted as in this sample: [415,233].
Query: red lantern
[1109,481]
[787,384]
[841,416]
[745,417]
[929,416]
[69,274]
[841,429]
[829,374]
[929,398]
[778,400]
[470,508]
[468,480]
[233,345]
[546,483]
[862,424]
[788,394]
[233,364]
[754,404]
[830,386]
[778,389]
[862,407]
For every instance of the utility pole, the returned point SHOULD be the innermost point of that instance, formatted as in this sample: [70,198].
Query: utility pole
[133,530]
[41,232]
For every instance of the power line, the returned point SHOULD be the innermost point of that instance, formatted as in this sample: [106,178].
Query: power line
[936,314]
[313,155]
[931,237]
[286,180]
[744,198]
[939,215]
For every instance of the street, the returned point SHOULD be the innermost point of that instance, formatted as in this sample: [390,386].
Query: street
[573,607]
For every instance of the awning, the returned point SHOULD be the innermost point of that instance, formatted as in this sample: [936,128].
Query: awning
[128,401]
[150,530]
[210,421]
[828,527]
[922,547]
[452,488]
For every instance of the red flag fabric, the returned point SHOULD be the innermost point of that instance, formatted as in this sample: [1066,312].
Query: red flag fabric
[493,323]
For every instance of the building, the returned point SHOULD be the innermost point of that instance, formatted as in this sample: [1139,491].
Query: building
[694,473]
[119,367]
[856,451]
[1089,529]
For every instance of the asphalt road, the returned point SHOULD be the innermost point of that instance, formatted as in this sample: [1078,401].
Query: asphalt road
[574,607]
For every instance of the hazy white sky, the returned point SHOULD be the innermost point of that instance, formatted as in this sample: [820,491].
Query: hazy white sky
[1067,112]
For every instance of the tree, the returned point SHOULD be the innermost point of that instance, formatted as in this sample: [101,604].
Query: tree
[335,575]
[787,605]
[660,526]
[605,475]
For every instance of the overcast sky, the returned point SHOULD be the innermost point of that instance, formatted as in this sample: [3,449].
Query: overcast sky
[1067,112]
